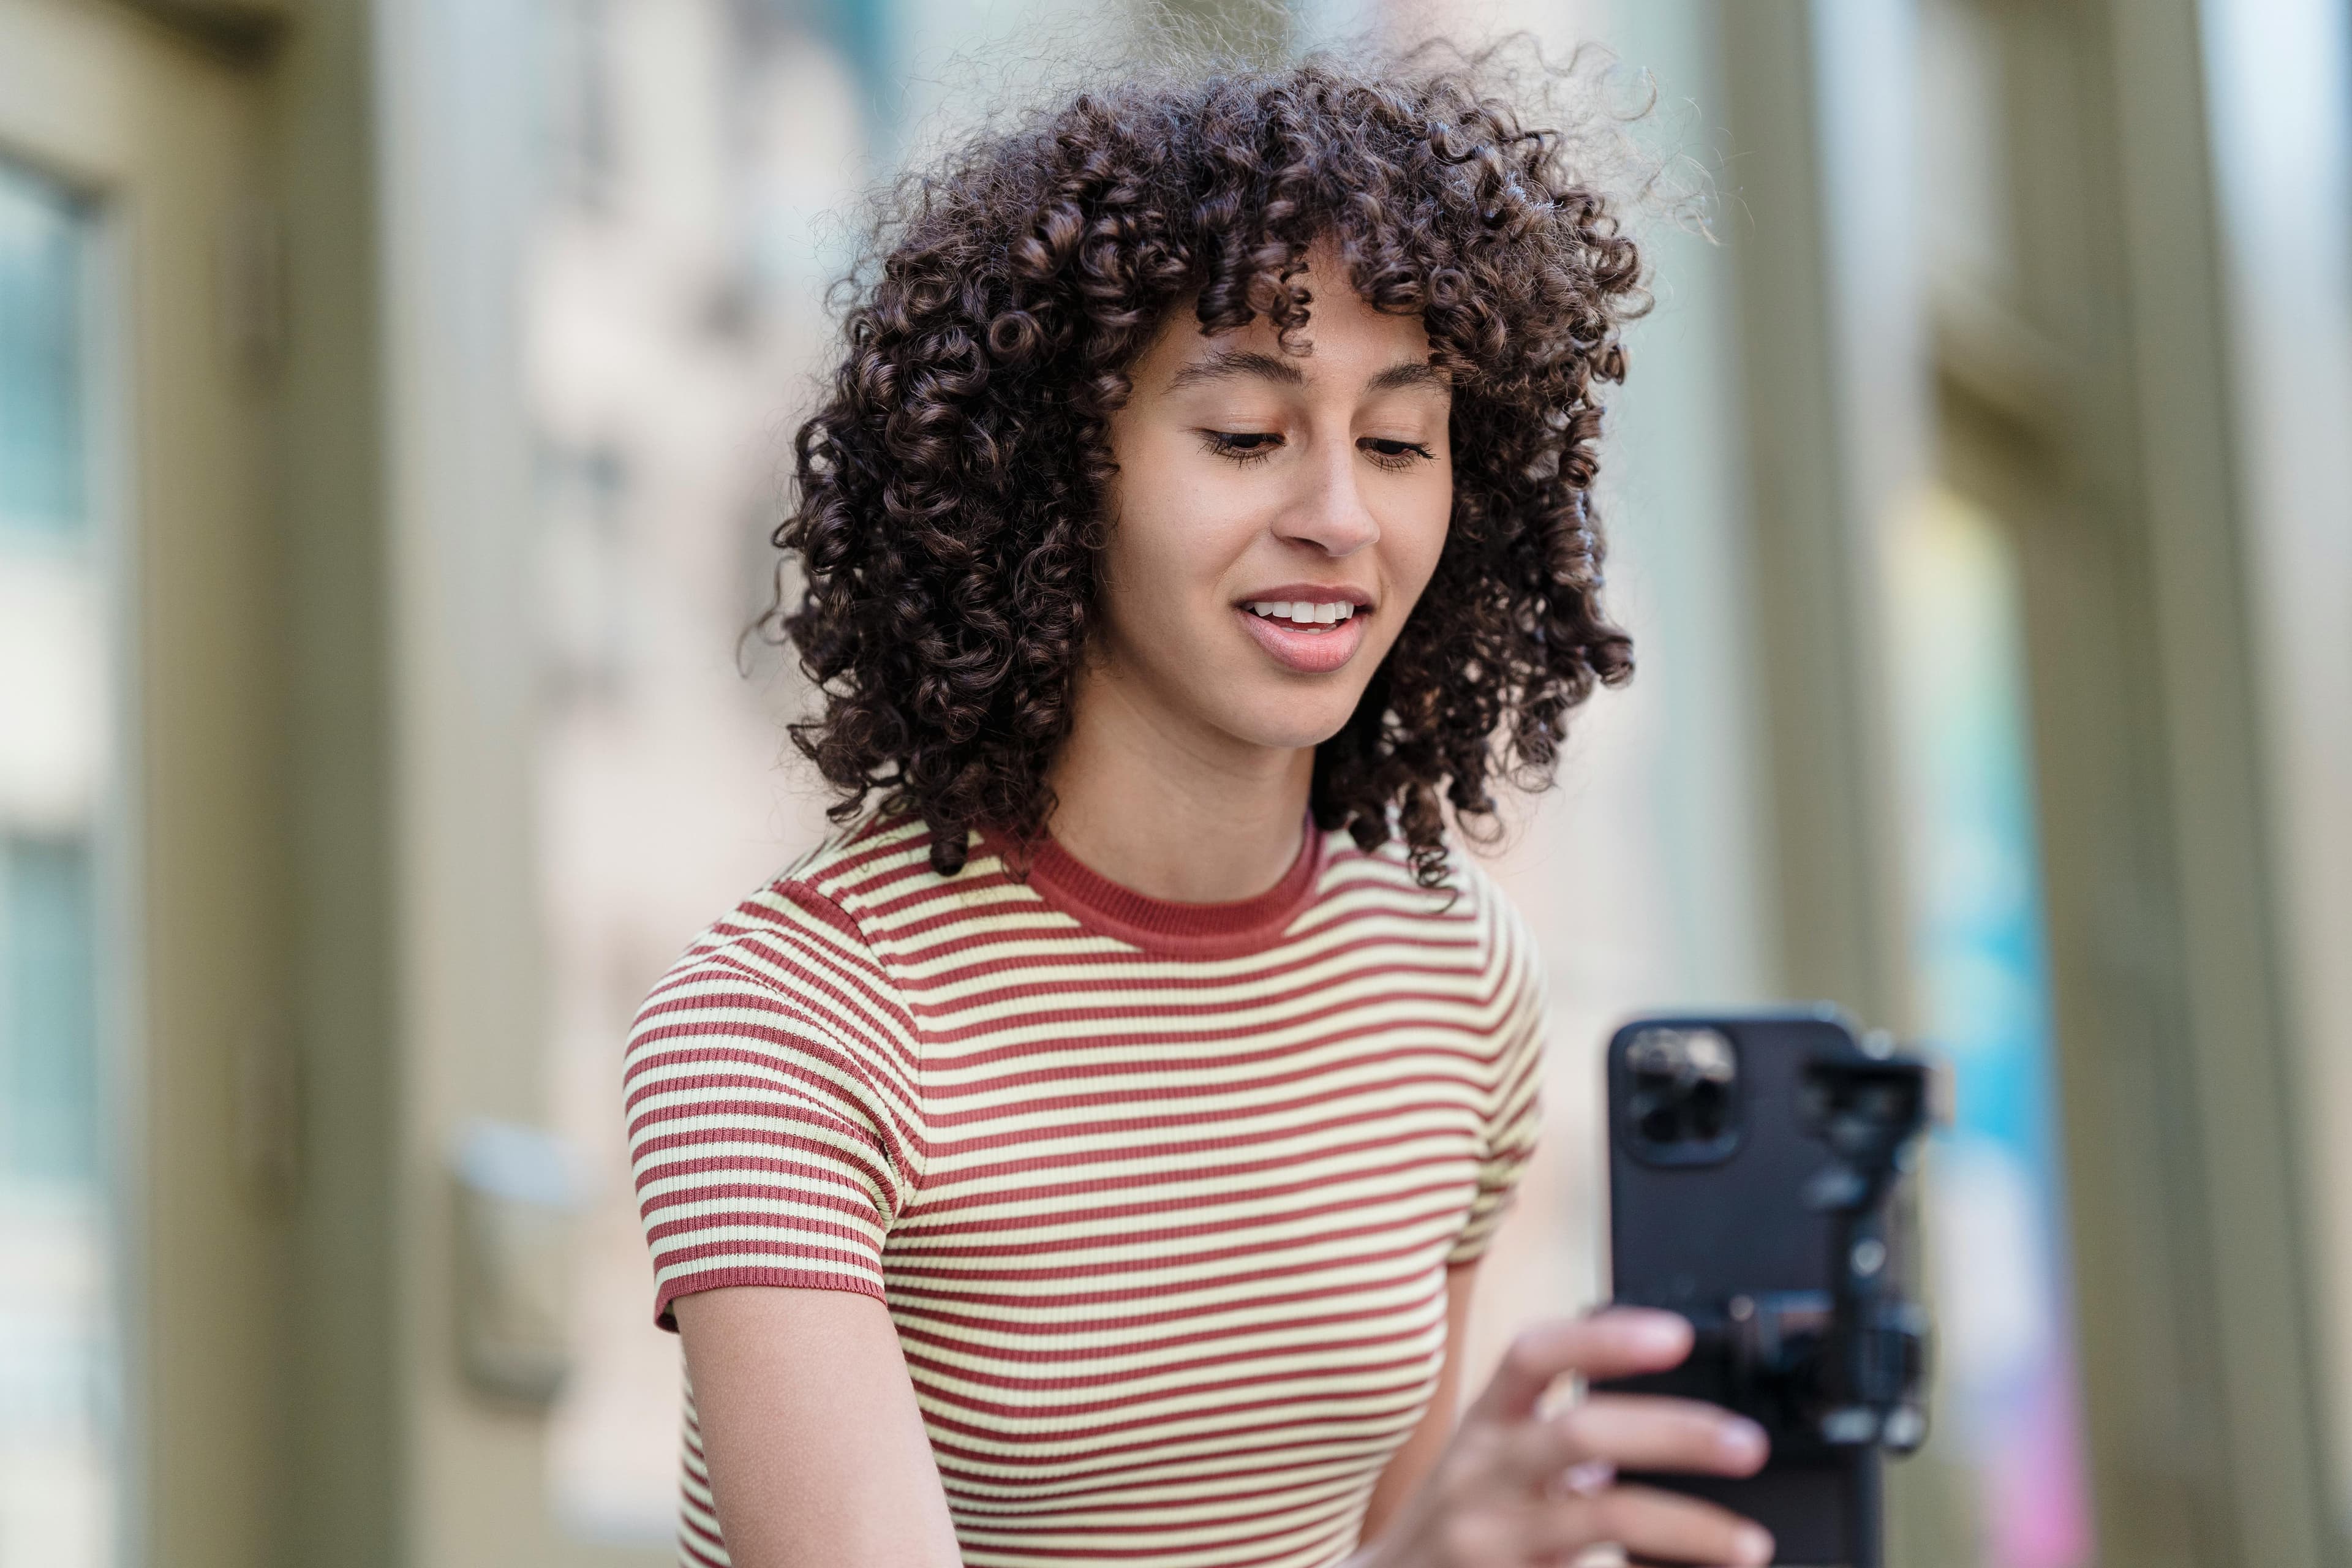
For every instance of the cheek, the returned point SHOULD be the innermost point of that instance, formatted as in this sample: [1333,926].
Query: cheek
[1419,536]
[1164,561]
[1173,541]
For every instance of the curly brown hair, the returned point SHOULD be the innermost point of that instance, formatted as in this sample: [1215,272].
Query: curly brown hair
[949,521]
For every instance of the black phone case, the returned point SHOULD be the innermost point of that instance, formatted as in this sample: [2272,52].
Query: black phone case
[1689,1236]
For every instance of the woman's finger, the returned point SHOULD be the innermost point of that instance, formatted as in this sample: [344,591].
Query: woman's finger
[1633,1432]
[1622,1341]
[1648,1523]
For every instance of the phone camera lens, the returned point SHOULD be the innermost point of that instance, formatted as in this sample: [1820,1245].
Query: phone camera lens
[1706,1110]
[1681,1106]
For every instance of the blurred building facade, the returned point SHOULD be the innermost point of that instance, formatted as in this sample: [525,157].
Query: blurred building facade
[371,736]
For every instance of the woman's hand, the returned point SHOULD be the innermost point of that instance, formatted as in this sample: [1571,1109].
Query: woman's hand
[1515,1488]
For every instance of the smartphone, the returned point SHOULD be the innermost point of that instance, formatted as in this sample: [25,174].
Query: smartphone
[1734,1146]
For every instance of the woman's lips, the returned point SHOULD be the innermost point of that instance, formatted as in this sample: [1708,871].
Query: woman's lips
[1318,652]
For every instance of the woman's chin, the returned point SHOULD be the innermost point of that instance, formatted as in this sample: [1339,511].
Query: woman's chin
[1290,726]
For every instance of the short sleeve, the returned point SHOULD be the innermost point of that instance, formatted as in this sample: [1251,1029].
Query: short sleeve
[771,1120]
[1514,1119]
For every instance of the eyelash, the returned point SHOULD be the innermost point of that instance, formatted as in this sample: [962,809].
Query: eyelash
[1222,443]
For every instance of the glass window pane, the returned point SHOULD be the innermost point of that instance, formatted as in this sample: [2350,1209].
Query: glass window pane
[60,1445]
[49,1014]
[42,460]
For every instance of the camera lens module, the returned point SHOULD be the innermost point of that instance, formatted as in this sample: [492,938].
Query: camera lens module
[1682,1098]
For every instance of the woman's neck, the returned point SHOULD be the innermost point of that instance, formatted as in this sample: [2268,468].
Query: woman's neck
[1191,818]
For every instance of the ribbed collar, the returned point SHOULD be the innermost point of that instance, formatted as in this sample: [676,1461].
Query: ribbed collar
[1164,925]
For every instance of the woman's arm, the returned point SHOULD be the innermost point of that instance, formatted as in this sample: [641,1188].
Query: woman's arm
[815,1443]
[1410,1464]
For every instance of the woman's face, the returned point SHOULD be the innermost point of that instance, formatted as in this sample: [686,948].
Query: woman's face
[1273,520]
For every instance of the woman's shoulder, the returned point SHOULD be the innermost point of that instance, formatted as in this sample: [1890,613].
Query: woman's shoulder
[1510,957]
[1467,894]
[801,929]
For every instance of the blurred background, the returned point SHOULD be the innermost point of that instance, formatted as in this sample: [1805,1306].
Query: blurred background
[394,399]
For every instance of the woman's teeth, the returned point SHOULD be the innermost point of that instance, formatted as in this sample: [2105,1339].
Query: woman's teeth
[1302,612]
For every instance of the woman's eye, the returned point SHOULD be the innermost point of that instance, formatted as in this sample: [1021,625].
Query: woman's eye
[1242,446]
[1256,446]
[1391,454]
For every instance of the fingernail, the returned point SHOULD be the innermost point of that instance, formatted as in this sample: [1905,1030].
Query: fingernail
[1742,1441]
[1755,1544]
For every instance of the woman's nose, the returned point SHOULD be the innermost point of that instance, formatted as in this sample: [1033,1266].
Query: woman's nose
[1331,514]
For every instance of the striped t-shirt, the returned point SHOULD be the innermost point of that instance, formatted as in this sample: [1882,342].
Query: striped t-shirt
[1160,1196]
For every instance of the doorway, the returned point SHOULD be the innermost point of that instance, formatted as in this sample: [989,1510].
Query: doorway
[139,1138]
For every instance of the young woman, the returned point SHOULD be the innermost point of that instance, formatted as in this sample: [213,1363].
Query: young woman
[1086,1153]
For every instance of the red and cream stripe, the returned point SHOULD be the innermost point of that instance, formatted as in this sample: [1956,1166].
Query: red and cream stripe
[1160,1196]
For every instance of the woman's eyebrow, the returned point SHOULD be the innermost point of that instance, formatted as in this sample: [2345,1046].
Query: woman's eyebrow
[1236,361]
[1270,367]
[1411,372]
